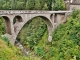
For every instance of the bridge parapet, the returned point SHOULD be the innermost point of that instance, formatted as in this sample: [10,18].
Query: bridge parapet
[2,12]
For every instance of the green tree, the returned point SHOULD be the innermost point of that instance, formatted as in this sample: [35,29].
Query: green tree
[2,26]
[27,6]
[30,4]
[58,5]
[19,5]
[45,7]
[13,4]
[24,4]
[37,5]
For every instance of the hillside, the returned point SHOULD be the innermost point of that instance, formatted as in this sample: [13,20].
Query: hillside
[9,52]
[33,36]
[65,44]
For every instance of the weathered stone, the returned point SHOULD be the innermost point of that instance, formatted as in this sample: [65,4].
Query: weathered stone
[50,38]
[52,19]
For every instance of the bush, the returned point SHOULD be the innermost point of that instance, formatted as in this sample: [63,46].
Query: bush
[2,26]
[67,37]
[39,51]
[10,53]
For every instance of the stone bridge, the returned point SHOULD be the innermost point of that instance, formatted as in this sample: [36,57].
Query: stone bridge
[52,19]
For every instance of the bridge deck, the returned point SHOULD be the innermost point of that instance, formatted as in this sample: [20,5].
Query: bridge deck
[30,12]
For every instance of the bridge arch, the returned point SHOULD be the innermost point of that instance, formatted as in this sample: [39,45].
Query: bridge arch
[48,23]
[17,20]
[7,24]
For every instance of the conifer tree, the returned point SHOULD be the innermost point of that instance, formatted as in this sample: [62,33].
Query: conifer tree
[45,7]
[31,4]
[37,5]
[13,4]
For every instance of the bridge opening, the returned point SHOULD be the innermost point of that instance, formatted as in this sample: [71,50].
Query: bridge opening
[7,24]
[55,16]
[17,21]
[33,30]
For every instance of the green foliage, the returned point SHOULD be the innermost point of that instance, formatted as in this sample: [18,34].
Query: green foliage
[37,5]
[32,32]
[68,36]
[75,14]
[32,4]
[65,44]
[5,38]
[2,26]
[39,51]
[58,5]
[45,7]
[10,53]
[19,5]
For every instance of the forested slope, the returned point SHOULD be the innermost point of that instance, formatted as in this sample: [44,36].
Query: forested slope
[9,52]
[32,5]
[65,44]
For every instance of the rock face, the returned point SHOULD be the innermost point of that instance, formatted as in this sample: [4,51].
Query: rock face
[52,19]
[24,51]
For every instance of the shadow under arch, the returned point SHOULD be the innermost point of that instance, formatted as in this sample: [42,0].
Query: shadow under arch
[47,21]
[7,24]
[17,20]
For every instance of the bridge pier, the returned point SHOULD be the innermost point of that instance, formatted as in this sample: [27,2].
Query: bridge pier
[50,30]
[13,35]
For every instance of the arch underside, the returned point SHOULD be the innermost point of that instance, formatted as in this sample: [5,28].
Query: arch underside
[48,23]
[17,22]
[7,24]
[20,22]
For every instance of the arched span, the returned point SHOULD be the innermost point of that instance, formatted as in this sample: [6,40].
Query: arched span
[7,24]
[48,22]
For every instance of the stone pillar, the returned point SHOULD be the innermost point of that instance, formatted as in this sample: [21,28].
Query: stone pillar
[58,20]
[50,30]
[54,21]
[12,26]
[54,25]
[50,27]
[53,18]
[65,18]
[12,36]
